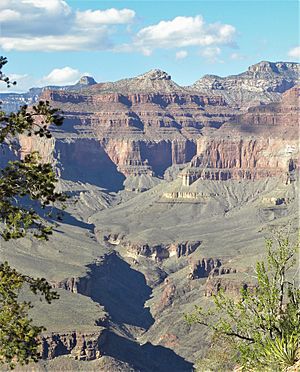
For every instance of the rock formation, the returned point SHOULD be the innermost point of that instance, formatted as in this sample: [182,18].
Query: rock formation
[262,82]
[81,346]
[146,124]
[231,286]
[155,252]
[258,144]
[202,268]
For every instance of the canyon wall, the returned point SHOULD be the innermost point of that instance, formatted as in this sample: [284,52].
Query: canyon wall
[263,142]
[116,130]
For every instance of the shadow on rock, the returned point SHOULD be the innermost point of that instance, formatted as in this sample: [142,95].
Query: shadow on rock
[86,161]
[65,217]
[147,357]
[122,291]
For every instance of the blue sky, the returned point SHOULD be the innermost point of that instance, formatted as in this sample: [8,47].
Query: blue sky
[56,41]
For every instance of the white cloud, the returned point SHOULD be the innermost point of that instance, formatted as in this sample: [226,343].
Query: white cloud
[105,17]
[184,32]
[181,54]
[294,52]
[23,81]
[56,43]
[52,25]
[8,15]
[52,6]
[58,76]
[62,76]
[4,4]
[211,54]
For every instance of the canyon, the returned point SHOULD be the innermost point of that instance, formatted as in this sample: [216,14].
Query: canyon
[172,191]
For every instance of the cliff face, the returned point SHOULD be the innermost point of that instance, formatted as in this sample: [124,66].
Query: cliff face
[146,124]
[81,346]
[141,132]
[261,143]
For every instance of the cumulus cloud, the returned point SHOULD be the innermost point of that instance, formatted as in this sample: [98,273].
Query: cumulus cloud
[294,52]
[184,32]
[181,54]
[105,17]
[52,25]
[211,54]
[62,76]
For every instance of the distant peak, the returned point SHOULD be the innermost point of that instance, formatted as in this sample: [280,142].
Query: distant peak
[155,74]
[263,66]
[277,67]
[86,80]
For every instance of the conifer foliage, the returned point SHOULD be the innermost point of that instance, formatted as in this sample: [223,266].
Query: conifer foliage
[23,183]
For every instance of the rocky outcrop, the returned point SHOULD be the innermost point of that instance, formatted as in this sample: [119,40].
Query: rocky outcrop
[161,251]
[202,268]
[80,285]
[156,252]
[167,296]
[232,286]
[169,340]
[81,346]
[221,270]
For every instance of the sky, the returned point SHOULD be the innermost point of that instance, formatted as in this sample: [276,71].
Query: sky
[55,42]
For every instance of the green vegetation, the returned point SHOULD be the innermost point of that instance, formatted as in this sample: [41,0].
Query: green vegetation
[21,181]
[262,326]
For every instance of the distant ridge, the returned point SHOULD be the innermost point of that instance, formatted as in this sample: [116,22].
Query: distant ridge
[10,102]
[263,82]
